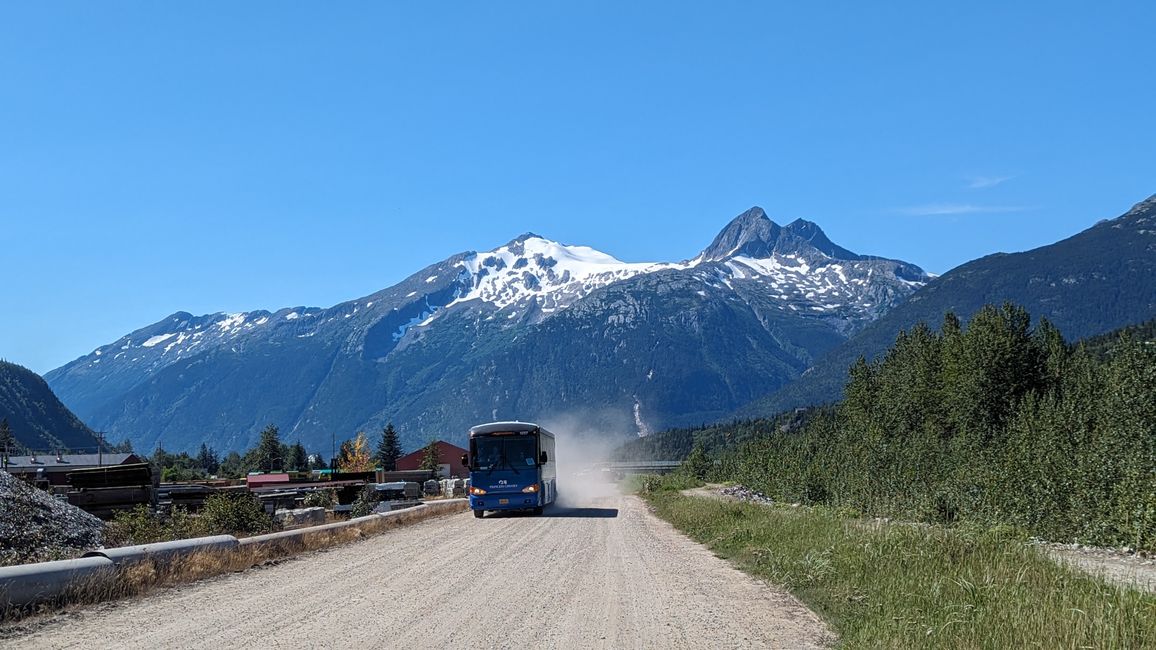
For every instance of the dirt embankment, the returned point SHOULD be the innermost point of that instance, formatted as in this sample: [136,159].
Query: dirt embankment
[603,573]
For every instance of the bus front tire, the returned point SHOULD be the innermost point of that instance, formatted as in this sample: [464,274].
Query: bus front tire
[478,514]
[538,511]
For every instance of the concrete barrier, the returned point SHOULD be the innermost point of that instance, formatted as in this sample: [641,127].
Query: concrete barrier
[29,584]
[165,551]
[301,517]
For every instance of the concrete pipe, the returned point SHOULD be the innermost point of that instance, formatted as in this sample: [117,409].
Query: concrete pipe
[164,552]
[29,584]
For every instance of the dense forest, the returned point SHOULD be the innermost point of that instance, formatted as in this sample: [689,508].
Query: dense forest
[995,423]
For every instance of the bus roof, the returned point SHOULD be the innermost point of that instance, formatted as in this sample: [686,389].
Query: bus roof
[502,427]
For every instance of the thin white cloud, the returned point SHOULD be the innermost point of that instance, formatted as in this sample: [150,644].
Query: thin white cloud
[957,209]
[984,182]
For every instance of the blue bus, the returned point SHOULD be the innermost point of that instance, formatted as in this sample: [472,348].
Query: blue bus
[512,467]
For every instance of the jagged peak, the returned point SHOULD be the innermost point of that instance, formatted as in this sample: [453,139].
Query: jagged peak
[752,233]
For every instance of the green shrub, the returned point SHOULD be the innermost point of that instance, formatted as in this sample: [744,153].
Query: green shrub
[142,526]
[366,502]
[320,499]
[234,514]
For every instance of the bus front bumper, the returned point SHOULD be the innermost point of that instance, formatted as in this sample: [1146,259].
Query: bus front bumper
[515,501]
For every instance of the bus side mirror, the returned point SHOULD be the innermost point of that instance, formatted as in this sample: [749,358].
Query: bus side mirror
[466,461]
[543,458]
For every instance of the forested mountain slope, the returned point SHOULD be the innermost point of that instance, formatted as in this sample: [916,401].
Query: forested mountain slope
[38,420]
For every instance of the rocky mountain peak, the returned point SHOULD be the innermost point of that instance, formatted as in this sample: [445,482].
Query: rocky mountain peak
[800,235]
[752,234]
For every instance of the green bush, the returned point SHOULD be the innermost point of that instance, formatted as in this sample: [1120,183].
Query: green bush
[366,502]
[223,514]
[234,514]
[142,526]
[320,499]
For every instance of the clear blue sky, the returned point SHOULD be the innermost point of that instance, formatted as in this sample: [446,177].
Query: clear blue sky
[205,157]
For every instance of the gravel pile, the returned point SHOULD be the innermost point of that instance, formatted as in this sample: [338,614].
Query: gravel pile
[746,494]
[35,527]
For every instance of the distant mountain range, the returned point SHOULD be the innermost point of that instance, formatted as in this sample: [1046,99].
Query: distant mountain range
[36,418]
[534,330]
[1099,280]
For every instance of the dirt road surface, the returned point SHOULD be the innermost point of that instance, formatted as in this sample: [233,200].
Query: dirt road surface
[603,573]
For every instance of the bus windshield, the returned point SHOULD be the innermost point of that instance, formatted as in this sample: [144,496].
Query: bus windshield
[505,452]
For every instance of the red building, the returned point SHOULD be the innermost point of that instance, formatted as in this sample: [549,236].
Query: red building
[449,458]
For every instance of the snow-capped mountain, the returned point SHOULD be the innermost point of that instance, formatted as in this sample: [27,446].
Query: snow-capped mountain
[446,347]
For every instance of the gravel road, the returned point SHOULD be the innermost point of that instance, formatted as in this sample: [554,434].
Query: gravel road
[604,573]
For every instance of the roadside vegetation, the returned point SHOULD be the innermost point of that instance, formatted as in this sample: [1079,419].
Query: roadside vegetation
[908,506]
[900,585]
[996,424]
[240,515]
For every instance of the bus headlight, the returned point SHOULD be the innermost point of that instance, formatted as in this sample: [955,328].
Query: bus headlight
[530,489]
[477,491]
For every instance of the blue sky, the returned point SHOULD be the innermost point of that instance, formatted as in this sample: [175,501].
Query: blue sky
[206,157]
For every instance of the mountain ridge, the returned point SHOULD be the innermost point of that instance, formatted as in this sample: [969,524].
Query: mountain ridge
[578,318]
[1110,265]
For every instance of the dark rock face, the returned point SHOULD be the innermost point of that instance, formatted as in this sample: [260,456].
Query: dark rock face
[533,330]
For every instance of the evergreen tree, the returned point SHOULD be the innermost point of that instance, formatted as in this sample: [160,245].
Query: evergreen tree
[7,440]
[389,449]
[298,458]
[207,459]
[269,454]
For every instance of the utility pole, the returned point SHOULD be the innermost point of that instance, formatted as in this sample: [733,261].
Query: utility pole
[99,448]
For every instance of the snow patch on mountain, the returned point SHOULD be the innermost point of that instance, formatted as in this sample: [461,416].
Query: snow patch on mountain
[157,340]
[553,274]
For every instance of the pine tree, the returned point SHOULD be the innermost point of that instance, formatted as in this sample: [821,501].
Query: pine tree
[7,440]
[298,458]
[389,450]
[269,452]
[207,459]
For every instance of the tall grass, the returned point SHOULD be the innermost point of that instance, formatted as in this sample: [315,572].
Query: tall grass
[886,585]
